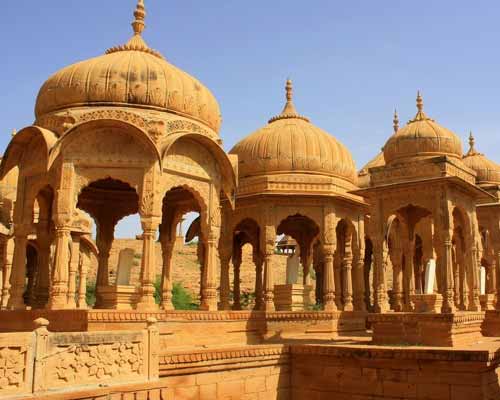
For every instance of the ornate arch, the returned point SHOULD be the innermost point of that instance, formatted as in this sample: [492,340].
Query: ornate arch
[229,178]
[19,144]
[139,134]
[199,190]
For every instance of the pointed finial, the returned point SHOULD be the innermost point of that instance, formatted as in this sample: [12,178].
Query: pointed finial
[420,116]
[420,102]
[139,14]
[472,148]
[289,90]
[289,110]
[395,121]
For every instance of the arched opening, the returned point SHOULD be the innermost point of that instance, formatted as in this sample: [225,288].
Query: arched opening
[463,263]
[247,262]
[40,253]
[301,234]
[181,288]
[107,201]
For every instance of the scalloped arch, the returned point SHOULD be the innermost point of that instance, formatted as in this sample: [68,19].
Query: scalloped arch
[19,143]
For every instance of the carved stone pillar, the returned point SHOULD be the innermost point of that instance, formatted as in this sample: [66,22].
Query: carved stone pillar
[18,274]
[225,258]
[337,278]
[59,288]
[328,278]
[104,241]
[83,267]
[148,265]
[42,287]
[270,238]
[237,279]
[448,304]
[167,247]
[347,274]
[73,269]
[359,276]
[396,255]
[367,266]
[7,271]
[380,300]
[209,282]
[258,261]
[308,259]
[409,274]
[474,265]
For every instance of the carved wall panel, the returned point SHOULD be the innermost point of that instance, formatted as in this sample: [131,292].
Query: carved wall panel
[190,158]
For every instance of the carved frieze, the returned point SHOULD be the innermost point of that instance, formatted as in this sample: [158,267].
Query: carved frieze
[12,368]
[87,363]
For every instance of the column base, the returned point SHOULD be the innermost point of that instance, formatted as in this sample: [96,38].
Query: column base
[292,297]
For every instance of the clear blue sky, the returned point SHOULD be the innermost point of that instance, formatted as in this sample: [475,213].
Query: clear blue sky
[352,61]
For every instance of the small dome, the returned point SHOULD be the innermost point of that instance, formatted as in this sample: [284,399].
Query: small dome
[488,172]
[130,75]
[422,137]
[364,173]
[289,143]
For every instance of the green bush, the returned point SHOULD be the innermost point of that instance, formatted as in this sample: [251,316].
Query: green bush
[90,293]
[181,298]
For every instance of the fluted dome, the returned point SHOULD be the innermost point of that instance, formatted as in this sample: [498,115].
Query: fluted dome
[130,75]
[421,137]
[289,143]
[488,172]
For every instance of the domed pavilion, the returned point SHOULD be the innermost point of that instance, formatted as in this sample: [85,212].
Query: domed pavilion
[123,133]
[488,215]
[423,208]
[295,179]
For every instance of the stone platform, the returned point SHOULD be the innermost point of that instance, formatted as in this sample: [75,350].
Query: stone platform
[431,329]
[184,328]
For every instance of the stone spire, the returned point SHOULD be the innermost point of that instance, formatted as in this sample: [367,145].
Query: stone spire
[289,110]
[136,42]
[421,116]
[395,121]
[472,149]
[140,14]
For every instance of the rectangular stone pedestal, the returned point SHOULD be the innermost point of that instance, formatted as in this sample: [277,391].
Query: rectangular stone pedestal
[491,324]
[119,297]
[427,303]
[457,329]
[292,297]
[487,301]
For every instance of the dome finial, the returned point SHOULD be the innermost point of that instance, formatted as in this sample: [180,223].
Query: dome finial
[140,15]
[395,121]
[14,132]
[136,42]
[289,110]
[472,148]
[421,116]
[289,90]
[420,102]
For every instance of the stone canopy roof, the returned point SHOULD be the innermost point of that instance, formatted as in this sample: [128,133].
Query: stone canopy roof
[132,74]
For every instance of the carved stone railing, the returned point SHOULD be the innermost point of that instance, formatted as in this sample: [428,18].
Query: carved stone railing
[45,362]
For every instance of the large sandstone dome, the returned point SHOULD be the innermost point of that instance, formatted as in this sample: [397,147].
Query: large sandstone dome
[487,171]
[130,75]
[422,137]
[290,144]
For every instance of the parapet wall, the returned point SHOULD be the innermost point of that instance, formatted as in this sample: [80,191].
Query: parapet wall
[44,362]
